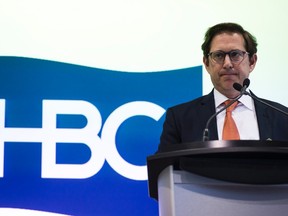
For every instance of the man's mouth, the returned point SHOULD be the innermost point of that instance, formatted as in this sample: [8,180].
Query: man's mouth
[228,74]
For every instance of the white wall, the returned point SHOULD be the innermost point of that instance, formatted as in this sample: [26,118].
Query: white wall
[144,36]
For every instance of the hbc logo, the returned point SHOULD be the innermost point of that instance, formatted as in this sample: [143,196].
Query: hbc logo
[101,148]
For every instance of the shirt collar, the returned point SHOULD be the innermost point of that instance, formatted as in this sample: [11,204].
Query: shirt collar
[220,99]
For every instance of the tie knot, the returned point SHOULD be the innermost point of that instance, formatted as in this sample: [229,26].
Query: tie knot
[232,107]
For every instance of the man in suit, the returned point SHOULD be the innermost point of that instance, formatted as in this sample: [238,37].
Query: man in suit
[229,56]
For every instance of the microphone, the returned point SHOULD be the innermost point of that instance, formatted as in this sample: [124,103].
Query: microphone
[238,87]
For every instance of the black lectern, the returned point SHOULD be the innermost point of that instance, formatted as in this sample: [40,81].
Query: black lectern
[220,178]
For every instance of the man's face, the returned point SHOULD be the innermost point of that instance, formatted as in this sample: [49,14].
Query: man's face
[224,75]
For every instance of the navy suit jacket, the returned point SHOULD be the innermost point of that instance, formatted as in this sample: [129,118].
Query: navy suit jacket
[186,122]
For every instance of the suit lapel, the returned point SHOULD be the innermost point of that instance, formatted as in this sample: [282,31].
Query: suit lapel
[264,120]
[208,105]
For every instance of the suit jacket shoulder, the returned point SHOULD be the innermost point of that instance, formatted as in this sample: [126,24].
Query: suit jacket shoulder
[186,122]
[273,125]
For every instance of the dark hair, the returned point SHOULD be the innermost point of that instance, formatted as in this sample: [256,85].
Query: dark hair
[250,40]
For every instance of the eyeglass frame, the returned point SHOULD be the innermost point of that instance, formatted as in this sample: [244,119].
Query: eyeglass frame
[229,54]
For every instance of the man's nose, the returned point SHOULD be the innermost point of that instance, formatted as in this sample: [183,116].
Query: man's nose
[227,61]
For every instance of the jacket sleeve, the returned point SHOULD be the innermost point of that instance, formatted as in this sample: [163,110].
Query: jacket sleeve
[170,133]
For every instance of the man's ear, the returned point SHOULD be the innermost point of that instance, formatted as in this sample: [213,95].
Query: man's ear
[252,61]
[205,61]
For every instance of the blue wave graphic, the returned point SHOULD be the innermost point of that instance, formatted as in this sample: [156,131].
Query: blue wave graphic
[25,82]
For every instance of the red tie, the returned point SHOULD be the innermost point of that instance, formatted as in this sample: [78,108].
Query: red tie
[230,131]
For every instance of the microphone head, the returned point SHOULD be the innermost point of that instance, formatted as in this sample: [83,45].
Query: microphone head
[237,86]
[246,82]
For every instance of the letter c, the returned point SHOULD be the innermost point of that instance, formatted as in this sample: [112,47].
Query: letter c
[109,130]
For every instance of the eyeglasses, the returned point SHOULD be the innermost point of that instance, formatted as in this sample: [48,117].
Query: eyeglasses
[236,56]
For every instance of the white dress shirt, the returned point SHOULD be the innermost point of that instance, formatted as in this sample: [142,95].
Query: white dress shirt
[244,116]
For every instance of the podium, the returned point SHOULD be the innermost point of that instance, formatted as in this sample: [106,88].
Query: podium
[220,178]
